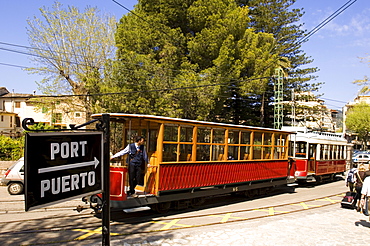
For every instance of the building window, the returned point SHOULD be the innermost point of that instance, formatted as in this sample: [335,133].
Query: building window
[18,104]
[2,118]
[77,115]
[17,121]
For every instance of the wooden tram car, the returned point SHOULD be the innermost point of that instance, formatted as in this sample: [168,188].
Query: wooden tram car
[190,160]
[318,155]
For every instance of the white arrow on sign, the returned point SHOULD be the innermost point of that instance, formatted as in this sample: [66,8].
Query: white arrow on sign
[95,163]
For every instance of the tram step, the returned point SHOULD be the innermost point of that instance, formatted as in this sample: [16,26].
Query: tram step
[310,179]
[133,210]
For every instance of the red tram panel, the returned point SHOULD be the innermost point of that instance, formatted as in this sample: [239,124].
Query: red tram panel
[183,176]
[117,183]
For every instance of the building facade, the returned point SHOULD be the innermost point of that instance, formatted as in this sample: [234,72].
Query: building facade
[310,112]
[15,107]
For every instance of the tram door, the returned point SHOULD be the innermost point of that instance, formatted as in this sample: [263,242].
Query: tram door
[311,158]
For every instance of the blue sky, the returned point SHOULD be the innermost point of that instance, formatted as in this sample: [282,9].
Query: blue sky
[336,48]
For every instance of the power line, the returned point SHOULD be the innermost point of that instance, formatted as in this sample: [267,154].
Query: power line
[332,100]
[327,20]
[130,92]
[44,57]
[161,30]
[12,65]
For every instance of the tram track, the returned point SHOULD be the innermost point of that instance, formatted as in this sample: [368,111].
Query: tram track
[135,224]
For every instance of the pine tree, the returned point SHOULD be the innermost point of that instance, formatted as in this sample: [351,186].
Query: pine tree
[279,18]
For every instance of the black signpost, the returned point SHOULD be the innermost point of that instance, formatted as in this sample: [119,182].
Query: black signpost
[65,164]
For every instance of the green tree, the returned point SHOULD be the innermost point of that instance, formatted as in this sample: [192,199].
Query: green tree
[11,148]
[71,49]
[204,46]
[280,18]
[358,121]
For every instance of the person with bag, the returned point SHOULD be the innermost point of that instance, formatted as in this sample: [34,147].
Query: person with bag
[351,178]
[136,161]
[358,186]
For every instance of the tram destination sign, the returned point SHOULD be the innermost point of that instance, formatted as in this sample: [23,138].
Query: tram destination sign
[61,166]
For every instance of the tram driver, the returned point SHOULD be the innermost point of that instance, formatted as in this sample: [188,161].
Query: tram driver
[137,160]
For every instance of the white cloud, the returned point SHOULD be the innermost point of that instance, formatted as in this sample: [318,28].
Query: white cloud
[355,25]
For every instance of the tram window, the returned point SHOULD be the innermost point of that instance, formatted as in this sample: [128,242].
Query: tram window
[278,153]
[257,152]
[327,152]
[204,135]
[244,152]
[217,152]
[233,153]
[300,149]
[170,133]
[267,138]
[279,140]
[169,152]
[218,136]
[331,152]
[185,152]
[203,152]
[335,151]
[233,137]
[130,135]
[339,155]
[257,138]
[324,151]
[186,134]
[283,154]
[290,148]
[311,151]
[143,133]
[246,137]
[266,152]
[152,143]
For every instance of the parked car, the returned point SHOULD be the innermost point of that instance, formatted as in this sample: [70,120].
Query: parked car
[361,158]
[14,178]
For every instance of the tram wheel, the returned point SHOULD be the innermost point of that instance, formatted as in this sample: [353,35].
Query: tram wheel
[264,191]
[319,179]
[251,193]
[196,202]
[332,177]
[162,207]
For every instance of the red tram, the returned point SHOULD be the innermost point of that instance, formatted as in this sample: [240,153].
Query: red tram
[190,160]
[318,155]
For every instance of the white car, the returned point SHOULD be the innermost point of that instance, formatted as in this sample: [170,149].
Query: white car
[14,178]
[361,158]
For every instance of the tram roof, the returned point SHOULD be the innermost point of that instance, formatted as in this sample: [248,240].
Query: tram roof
[119,116]
[305,135]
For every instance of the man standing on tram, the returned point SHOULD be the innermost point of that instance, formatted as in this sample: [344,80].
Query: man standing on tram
[136,161]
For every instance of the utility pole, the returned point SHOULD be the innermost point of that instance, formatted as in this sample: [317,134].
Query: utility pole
[278,98]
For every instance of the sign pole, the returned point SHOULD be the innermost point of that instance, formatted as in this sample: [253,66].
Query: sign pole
[106,181]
